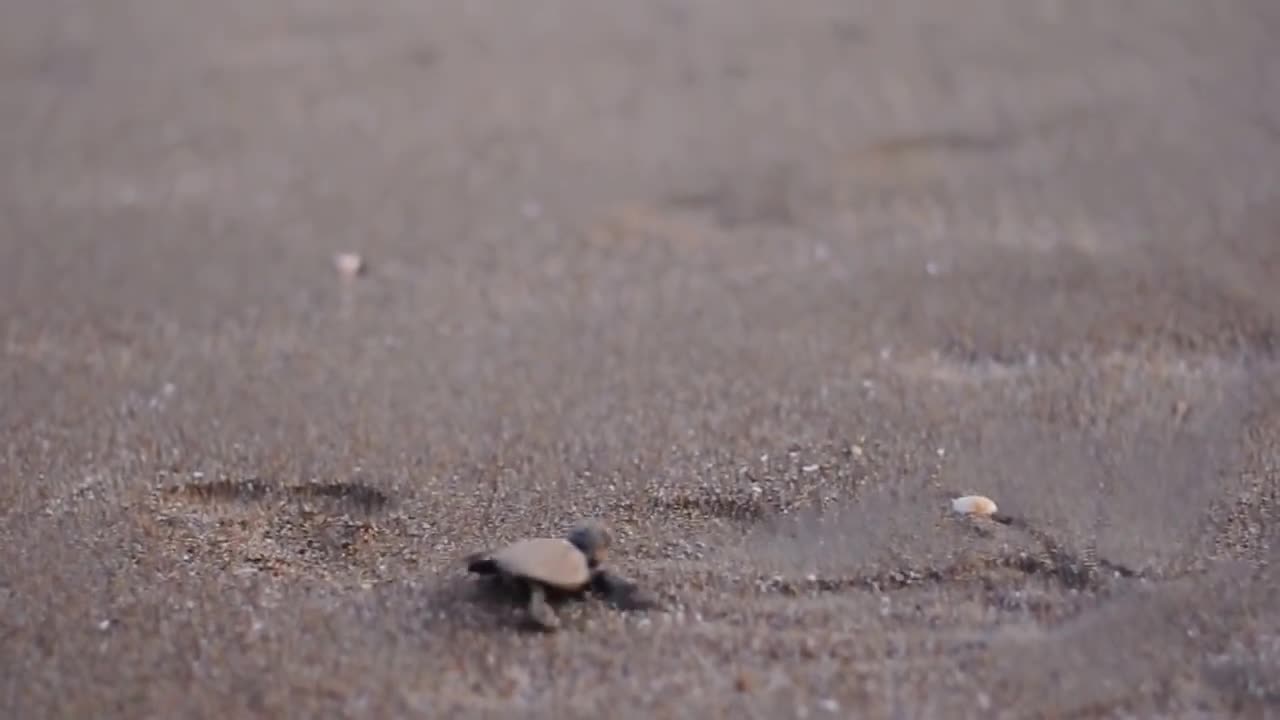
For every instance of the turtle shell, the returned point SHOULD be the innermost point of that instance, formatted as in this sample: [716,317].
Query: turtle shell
[551,561]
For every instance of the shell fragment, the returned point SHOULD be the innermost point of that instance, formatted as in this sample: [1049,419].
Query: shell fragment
[974,505]
[349,264]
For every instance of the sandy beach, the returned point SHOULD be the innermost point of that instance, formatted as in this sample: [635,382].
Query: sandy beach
[763,285]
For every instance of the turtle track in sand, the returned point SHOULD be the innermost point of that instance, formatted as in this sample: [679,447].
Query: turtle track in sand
[346,495]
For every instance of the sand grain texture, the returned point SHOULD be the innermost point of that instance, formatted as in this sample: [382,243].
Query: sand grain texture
[764,285]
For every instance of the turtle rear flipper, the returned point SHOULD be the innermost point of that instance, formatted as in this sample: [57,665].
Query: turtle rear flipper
[481,564]
[621,592]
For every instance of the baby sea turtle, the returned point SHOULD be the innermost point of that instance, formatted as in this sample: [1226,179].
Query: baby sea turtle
[551,569]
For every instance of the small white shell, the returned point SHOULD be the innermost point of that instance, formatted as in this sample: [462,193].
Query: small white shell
[349,264]
[974,505]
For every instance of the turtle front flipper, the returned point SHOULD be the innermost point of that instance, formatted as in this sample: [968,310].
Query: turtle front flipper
[621,592]
[540,611]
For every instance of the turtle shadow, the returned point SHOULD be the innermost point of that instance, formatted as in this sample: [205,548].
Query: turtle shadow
[463,605]
[622,593]
[504,604]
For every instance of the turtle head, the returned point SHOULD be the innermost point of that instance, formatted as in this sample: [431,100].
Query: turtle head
[593,538]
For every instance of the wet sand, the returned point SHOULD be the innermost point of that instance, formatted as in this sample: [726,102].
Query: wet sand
[762,284]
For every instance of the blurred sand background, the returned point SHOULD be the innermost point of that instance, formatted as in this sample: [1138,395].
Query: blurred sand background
[763,284]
